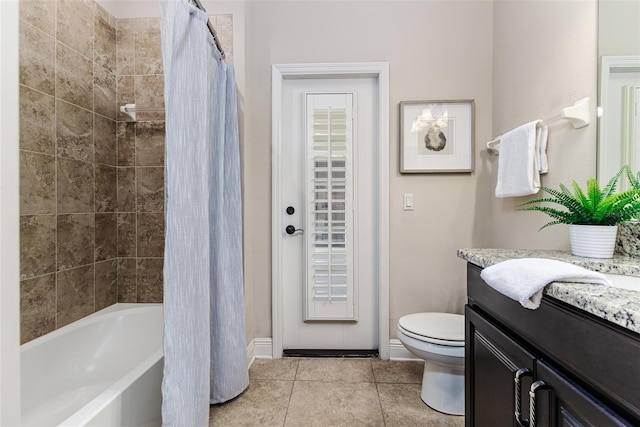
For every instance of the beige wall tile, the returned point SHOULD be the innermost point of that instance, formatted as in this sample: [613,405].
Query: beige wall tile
[37,59]
[39,13]
[37,183]
[106,283]
[76,240]
[75,25]
[224,22]
[75,186]
[74,132]
[150,143]
[106,236]
[125,93]
[150,234]
[37,307]
[102,13]
[37,245]
[149,279]
[104,139]
[126,139]
[125,51]
[148,59]
[37,124]
[104,92]
[106,188]
[76,294]
[104,53]
[150,189]
[74,77]
[126,189]
[127,280]
[61,42]
[149,91]
[127,235]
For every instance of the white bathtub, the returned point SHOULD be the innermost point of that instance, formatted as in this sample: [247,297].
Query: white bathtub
[103,370]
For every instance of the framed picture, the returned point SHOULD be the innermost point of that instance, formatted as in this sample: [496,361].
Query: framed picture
[436,136]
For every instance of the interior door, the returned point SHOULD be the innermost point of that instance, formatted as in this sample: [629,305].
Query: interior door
[329,214]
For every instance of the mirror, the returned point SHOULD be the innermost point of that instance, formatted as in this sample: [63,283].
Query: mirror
[619,86]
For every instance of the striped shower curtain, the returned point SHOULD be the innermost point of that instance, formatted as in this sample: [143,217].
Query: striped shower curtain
[204,328]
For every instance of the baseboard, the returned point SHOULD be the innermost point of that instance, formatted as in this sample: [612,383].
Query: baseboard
[251,354]
[263,348]
[397,351]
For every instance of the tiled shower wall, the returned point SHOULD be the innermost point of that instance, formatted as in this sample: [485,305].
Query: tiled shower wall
[91,185]
[68,265]
[140,162]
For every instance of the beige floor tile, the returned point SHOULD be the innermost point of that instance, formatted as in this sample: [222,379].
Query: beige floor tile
[274,369]
[263,404]
[328,404]
[387,371]
[342,370]
[403,407]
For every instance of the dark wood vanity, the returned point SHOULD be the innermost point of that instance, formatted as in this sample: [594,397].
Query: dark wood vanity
[575,368]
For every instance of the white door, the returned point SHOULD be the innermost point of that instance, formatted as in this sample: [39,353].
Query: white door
[330,202]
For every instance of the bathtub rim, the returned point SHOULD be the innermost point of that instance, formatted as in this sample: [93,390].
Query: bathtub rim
[110,311]
[115,389]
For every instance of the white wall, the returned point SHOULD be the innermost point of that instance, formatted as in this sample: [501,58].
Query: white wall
[619,27]
[545,56]
[9,218]
[436,50]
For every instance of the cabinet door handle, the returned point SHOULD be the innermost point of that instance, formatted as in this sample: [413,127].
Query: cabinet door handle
[517,401]
[538,385]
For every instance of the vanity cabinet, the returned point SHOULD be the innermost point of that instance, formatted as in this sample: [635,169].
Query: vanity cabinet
[580,370]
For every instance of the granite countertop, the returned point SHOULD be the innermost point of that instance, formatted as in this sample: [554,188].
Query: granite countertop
[619,306]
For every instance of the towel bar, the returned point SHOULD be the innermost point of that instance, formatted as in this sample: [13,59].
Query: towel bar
[578,114]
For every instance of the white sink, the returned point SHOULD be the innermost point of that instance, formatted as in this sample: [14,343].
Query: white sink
[624,282]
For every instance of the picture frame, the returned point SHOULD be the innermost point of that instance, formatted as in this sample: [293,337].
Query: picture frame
[437,136]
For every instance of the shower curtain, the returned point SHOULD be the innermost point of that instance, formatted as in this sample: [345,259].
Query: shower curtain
[204,329]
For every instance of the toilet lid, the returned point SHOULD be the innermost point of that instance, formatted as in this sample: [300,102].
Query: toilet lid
[440,326]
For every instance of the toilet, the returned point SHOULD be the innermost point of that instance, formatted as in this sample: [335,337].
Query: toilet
[438,339]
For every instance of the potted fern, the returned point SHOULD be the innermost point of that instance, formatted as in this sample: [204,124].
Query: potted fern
[628,241]
[593,214]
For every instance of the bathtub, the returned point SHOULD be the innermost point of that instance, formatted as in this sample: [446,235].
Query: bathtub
[103,370]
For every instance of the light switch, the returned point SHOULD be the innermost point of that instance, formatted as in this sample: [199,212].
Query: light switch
[408,202]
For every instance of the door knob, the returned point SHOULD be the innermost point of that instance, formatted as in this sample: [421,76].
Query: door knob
[290,229]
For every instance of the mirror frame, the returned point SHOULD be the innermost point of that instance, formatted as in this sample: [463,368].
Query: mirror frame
[610,65]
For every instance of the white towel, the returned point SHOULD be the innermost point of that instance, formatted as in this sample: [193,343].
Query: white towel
[522,158]
[524,279]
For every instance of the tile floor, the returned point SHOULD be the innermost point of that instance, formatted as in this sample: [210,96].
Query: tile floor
[294,392]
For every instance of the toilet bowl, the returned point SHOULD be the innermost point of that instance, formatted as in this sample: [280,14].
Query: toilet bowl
[438,339]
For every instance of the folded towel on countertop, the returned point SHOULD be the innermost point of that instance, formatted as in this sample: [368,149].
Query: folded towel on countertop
[524,279]
[522,159]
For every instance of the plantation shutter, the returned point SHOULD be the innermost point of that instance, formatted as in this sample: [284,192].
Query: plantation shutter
[330,227]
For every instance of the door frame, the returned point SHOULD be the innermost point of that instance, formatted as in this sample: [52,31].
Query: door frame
[281,72]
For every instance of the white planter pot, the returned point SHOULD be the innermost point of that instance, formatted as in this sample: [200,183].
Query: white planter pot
[593,241]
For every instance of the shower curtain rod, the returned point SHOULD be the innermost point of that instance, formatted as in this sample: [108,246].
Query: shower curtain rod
[197,4]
